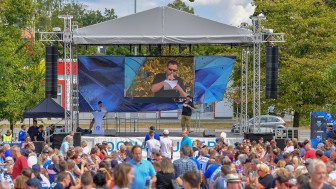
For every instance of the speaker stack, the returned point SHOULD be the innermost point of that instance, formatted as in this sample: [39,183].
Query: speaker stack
[51,71]
[272,62]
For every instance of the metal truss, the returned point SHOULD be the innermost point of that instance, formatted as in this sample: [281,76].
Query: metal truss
[244,90]
[71,104]
[260,37]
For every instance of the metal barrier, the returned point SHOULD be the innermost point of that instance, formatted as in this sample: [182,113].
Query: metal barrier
[287,133]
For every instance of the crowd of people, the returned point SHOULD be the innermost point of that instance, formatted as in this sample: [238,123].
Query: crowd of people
[248,164]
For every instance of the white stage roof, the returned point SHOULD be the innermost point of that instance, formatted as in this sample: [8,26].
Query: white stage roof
[161,25]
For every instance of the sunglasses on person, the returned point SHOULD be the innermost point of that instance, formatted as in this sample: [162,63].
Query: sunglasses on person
[172,70]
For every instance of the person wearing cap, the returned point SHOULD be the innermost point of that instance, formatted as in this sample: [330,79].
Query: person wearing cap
[100,108]
[166,145]
[147,137]
[43,180]
[9,160]
[22,134]
[234,181]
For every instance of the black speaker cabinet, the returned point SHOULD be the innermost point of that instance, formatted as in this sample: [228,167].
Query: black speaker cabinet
[209,133]
[38,146]
[281,143]
[256,136]
[58,139]
[272,64]
[51,71]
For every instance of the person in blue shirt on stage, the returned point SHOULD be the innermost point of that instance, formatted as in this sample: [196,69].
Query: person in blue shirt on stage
[147,137]
[22,134]
[186,140]
[144,172]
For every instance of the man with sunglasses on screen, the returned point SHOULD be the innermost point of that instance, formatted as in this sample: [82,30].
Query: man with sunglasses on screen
[168,84]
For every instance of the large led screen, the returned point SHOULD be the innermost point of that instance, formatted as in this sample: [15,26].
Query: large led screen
[132,84]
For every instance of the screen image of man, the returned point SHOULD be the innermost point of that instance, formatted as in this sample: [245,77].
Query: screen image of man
[168,84]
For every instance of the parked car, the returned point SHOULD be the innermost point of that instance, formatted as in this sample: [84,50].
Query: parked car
[268,123]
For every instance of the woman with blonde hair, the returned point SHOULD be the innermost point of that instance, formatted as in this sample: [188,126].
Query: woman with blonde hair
[20,182]
[165,176]
[265,178]
[123,176]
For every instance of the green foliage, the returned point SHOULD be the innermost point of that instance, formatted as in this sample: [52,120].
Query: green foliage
[306,58]
[180,5]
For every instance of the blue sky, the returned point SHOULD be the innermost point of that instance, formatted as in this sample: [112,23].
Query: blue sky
[232,12]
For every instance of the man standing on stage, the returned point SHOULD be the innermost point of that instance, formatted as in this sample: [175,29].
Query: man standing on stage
[100,108]
[187,108]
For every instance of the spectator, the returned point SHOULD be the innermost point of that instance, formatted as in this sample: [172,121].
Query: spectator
[265,179]
[152,145]
[40,134]
[318,171]
[123,176]
[86,181]
[44,181]
[65,146]
[147,137]
[8,137]
[20,162]
[22,134]
[220,183]
[143,170]
[166,145]
[310,152]
[6,174]
[165,175]
[191,180]
[185,139]
[63,181]
[33,130]
[184,164]
[20,182]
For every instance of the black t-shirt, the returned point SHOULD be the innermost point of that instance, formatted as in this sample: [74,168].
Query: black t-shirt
[167,93]
[266,181]
[186,110]
[164,180]
[307,186]
[39,136]
[32,131]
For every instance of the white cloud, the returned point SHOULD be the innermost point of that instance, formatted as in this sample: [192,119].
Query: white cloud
[231,12]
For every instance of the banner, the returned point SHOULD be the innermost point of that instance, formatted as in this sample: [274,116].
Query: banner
[115,142]
[98,124]
[319,121]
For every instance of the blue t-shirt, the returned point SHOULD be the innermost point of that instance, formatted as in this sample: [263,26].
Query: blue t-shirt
[22,135]
[211,170]
[186,141]
[156,136]
[141,172]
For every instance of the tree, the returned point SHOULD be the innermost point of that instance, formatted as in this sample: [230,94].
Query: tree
[180,5]
[306,56]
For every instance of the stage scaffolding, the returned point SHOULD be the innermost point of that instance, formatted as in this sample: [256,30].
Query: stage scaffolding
[71,79]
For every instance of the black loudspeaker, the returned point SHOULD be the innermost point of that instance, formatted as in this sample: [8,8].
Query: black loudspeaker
[272,64]
[281,143]
[209,133]
[110,132]
[58,139]
[51,71]
[38,146]
[256,136]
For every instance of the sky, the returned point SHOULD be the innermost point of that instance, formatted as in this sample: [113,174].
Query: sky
[232,12]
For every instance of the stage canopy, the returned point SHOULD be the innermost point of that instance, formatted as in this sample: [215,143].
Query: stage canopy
[45,109]
[161,25]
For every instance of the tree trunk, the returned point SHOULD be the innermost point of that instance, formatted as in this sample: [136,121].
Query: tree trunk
[296,120]
[11,124]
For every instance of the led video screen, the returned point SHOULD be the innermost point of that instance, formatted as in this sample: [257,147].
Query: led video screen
[132,84]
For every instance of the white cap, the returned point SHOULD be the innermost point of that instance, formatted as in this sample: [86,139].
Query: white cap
[166,132]
[223,134]
[9,158]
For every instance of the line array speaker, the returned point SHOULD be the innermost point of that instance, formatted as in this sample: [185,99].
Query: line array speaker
[51,71]
[272,63]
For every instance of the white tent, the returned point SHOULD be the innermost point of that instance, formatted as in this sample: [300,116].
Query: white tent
[161,25]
